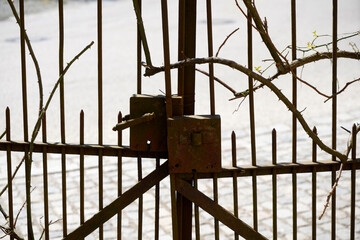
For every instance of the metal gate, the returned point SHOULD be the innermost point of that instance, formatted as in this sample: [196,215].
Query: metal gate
[183,147]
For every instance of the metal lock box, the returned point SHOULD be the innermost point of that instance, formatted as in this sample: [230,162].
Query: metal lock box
[194,144]
[152,135]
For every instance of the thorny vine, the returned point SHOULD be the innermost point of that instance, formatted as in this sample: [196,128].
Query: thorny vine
[283,68]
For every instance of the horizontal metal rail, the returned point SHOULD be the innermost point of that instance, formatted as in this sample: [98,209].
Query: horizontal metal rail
[280,168]
[242,171]
[87,149]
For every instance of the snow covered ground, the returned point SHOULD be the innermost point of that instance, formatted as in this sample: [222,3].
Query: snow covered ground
[119,63]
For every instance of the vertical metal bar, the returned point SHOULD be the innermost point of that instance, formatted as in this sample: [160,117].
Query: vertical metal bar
[334,76]
[294,79]
[235,183]
[190,51]
[63,180]
[334,113]
[294,122]
[181,46]
[62,115]
[119,216]
[61,68]
[82,171]
[45,179]
[353,186]
[252,121]
[157,204]
[210,51]
[139,57]
[140,211]
[25,120]
[165,29]
[9,173]
[63,183]
[333,205]
[100,109]
[139,90]
[196,209]
[233,148]
[274,184]
[174,210]
[313,206]
[294,202]
[23,70]
[216,221]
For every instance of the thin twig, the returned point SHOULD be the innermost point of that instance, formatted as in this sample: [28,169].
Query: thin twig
[346,85]
[22,207]
[307,49]
[142,32]
[217,53]
[350,146]
[346,130]
[3,134]
[219,81]
[13,176]
[50,223]
[3,212]
[313,87]
[239,105]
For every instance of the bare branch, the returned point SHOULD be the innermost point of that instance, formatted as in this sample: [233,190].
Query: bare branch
[41,115]
[260,27]
[309,59]
[267,82]
[32,54]
[343,89]
[217,53]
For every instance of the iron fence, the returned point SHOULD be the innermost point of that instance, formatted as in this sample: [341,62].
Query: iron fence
[185,197]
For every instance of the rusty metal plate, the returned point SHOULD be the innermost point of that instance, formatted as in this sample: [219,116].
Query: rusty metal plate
[194,144]
[151,136]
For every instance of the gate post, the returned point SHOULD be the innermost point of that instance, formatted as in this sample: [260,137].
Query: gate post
[186,88]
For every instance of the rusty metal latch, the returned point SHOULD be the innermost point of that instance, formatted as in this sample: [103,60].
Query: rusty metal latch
[147,117]
[194,143]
